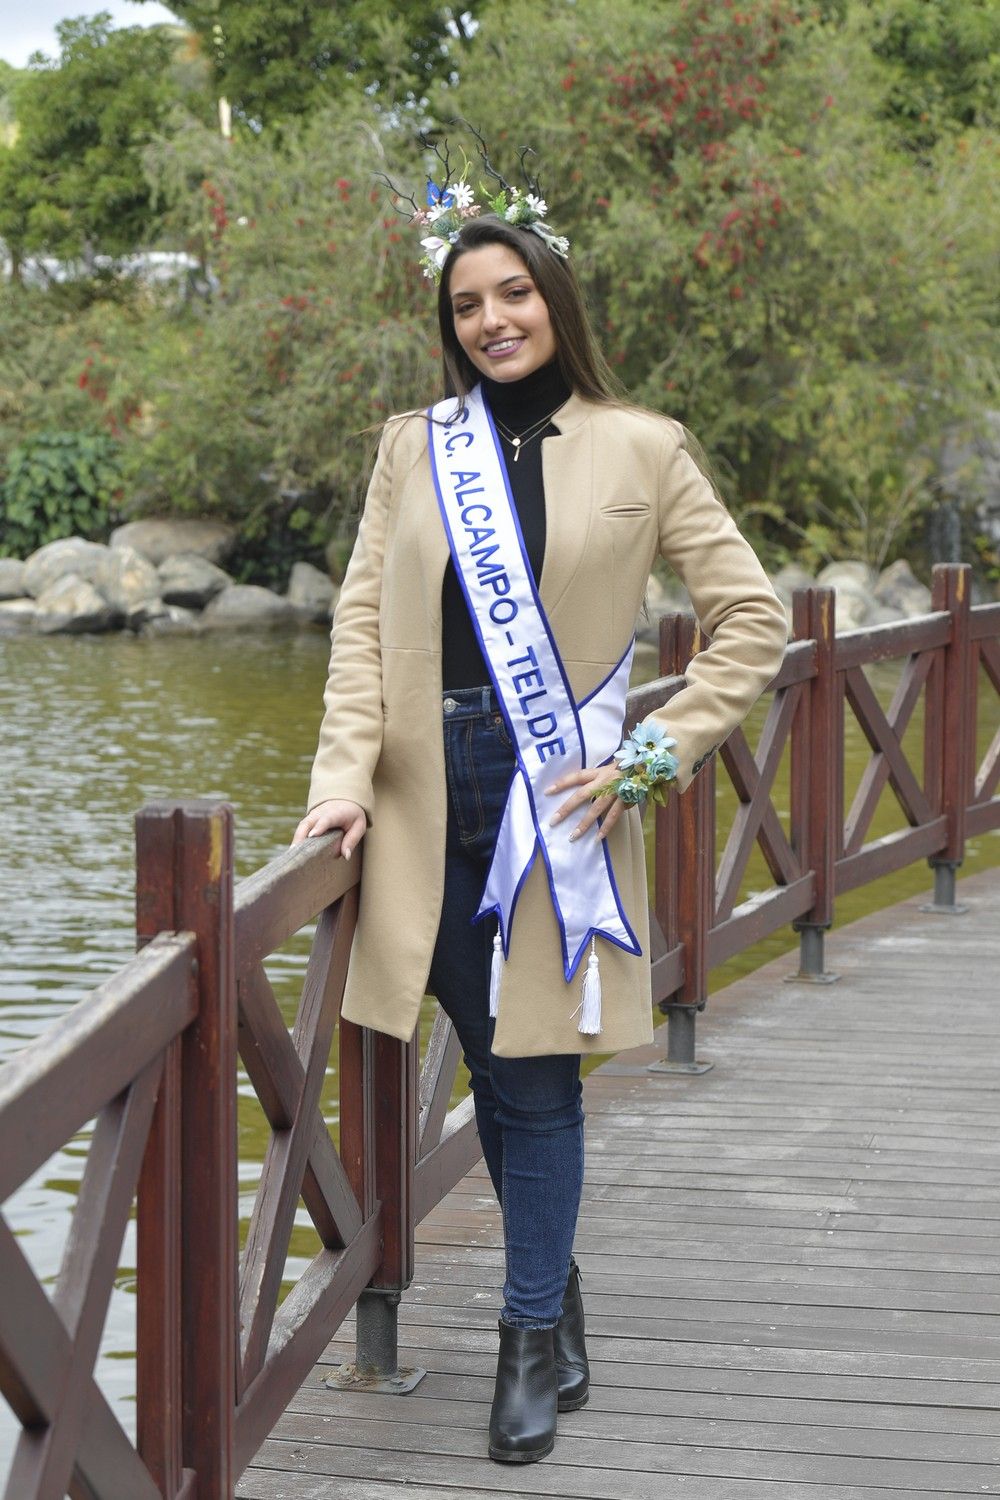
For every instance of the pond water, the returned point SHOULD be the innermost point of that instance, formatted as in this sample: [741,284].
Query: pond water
[93,727]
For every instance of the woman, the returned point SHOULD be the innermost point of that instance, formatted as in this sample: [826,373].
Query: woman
[461,740]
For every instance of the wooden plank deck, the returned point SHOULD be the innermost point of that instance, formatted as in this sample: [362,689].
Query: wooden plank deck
[791,1263]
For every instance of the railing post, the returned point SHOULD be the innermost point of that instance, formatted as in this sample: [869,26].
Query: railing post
[159,1392]
[950,590]
[379,1116]
[186,855]
[817,779]
[693,865]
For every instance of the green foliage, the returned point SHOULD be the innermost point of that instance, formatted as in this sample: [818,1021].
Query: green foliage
[770,253]
[319,327]
[277,59]
[58,484]
[945,64]
[72,182]
[762,258]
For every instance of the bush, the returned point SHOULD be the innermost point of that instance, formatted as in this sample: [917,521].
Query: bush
[58,484]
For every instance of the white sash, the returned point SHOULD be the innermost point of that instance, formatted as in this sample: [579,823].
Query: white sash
[552,734]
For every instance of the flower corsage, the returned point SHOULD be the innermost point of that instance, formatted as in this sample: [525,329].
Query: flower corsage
[646,766]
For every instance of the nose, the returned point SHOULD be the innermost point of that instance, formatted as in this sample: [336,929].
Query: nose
[494,314]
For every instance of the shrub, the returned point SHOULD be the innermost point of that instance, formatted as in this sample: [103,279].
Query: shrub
[58,484]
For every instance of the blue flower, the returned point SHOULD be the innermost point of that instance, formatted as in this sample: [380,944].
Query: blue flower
[630,792]
[641,747]
[651,736]
[663,767]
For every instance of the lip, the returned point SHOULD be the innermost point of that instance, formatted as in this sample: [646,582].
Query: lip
[510,346]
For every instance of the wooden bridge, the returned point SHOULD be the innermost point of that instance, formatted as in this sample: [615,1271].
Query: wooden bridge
[830,1172]
[791,1263]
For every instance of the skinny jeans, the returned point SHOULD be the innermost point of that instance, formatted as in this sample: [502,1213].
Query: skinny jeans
[528,1109]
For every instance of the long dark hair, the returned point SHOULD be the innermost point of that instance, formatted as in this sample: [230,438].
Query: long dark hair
[583,366]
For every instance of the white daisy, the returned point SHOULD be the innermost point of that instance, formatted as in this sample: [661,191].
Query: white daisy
[463,195]
[538,204]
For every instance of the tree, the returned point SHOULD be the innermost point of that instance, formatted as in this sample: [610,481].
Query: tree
[762,258]
[944,58]
[276,59]
[72,182]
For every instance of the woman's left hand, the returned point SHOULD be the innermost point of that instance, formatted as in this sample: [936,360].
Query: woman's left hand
[609,808]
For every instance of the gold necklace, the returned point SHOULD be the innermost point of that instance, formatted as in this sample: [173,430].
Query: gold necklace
[518,442]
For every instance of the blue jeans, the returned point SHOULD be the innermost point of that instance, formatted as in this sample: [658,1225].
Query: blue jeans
[528,1109]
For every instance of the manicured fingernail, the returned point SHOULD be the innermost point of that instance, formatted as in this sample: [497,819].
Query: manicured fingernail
[574,835]
[347,853]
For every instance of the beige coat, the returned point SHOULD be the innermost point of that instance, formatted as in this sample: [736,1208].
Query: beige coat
[619,488]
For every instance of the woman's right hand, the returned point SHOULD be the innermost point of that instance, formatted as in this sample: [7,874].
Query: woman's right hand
[325,817]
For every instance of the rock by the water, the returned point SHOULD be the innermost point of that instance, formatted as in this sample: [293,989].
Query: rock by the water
[17,616]
[73,605]
[312,592]
[843,574]
[11,578]
[188,579]
[898,590]
[159,538]
[245,605]
[131,585]
[791,576]
[852,608]
[71,554]
[175,620]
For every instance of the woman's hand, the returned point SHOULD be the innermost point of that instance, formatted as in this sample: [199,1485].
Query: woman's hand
[608,808]
[327,816]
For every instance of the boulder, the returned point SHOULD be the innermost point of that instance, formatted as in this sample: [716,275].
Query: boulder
[70,555]
[175,620]
[188,579]
[789,577]
[11,578]
[131,585]
[247,605]
[17,616]
[853,608]
[159,538]
[73,605]
[837,574]
[902,593]
[312,593]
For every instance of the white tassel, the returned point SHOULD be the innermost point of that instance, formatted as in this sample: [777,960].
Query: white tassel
[496,972]
[590,1005]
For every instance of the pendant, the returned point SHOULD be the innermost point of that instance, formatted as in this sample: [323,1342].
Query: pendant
[516,442]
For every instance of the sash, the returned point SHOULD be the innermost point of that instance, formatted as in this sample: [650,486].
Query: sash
[552,734]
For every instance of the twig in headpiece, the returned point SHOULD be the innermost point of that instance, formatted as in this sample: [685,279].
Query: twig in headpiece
[398,193]
[530,181]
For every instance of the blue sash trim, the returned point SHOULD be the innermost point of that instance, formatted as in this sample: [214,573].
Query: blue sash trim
[528,782]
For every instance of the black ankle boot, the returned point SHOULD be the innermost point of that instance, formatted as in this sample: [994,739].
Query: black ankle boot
[525,1400]
[572,1365]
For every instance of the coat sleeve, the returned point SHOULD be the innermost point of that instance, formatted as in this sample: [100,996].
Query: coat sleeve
[733,600]
[350,736]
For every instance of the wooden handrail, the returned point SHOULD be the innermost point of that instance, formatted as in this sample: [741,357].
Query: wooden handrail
[166,1028]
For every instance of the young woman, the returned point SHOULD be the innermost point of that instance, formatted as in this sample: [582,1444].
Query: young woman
[480,653]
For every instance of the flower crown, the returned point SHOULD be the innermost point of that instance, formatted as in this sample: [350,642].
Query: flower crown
[452,202]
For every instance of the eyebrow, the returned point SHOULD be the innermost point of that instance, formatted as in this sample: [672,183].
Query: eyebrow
[520,276]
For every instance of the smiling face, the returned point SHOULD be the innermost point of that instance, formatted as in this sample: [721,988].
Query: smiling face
[500,317]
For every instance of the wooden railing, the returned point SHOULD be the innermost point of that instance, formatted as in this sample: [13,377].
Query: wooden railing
[152,1054]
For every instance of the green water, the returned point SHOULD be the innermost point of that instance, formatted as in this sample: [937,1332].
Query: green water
[90,729]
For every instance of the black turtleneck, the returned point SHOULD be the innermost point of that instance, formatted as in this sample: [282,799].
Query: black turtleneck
[518,405]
